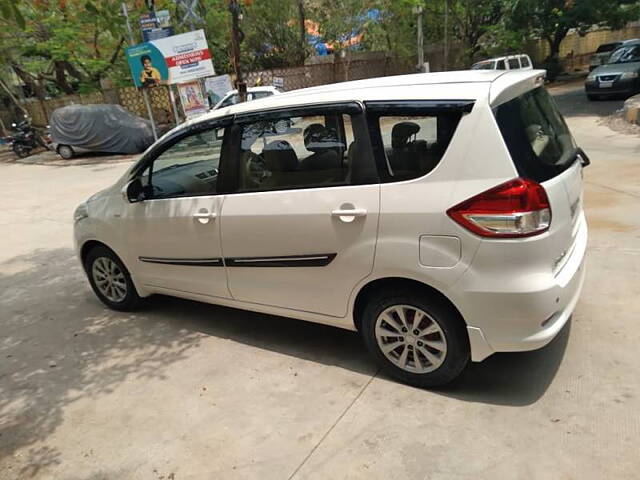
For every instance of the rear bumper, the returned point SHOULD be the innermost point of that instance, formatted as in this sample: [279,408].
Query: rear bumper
[522,316]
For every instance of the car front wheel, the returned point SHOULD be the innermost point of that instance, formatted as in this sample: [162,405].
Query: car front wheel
[416,338]
[66,152]
[110,280]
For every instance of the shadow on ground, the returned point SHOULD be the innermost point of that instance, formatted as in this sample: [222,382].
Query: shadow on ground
[59,344]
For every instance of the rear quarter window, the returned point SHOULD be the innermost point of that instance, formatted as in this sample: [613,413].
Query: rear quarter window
[536,135]
[408,140]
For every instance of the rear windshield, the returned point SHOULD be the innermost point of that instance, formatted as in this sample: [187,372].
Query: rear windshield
[536,135]
[607,47]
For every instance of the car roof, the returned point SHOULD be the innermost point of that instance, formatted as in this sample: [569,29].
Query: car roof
[267,88]
[497,85]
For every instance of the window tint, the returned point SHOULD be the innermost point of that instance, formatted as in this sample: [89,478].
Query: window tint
[187,168]
[536,135]
[295,152]
[410,144]
[500,65]
[525,61]
[513,64]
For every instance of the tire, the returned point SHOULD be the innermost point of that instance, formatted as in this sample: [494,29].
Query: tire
[110,280]
[592,98]
[66,152]
[434,366]
[21,151]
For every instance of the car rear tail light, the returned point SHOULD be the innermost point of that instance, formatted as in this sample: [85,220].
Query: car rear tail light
[517,208]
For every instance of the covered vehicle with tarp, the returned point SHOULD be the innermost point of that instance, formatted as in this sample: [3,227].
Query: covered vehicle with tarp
[98,128]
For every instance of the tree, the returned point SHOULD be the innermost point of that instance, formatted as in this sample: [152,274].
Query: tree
[63,47]
[551,20]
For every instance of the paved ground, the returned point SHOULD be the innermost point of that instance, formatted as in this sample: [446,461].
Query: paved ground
[190,391]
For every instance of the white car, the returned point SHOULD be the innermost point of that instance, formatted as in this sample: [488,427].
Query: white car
[438,214]
[254,93]
[510,62]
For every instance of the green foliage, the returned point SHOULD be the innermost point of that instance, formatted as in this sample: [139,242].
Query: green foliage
[552,20]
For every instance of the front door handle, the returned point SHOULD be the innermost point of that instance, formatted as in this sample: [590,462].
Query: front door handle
[348,215]
[203,215]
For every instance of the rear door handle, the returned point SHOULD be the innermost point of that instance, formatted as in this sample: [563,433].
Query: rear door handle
[349,215]
[203,216]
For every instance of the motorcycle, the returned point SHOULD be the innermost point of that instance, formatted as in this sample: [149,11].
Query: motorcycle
[26,139]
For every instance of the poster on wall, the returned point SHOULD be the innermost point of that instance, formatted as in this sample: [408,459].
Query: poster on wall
[217,88]
[176,59]
[192,99]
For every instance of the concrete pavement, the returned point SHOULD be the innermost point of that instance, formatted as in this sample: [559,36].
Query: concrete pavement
[183,390]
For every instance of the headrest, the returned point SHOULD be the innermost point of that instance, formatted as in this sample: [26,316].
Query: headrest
[279,156]
[402,132]
[311,134]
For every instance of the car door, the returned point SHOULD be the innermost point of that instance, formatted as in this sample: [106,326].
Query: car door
[174,231]
[299,230]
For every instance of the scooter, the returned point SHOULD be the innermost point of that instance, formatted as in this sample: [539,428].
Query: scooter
[26,139]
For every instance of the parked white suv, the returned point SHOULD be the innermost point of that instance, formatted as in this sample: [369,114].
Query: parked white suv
[510,62]
[439,214]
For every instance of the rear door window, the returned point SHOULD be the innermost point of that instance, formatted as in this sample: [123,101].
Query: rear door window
[538,139]
[514,64]
[500,65]
[525,61]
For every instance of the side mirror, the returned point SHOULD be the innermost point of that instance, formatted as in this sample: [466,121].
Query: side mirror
[134,191]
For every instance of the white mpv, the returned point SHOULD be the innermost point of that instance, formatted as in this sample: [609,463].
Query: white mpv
[439,214]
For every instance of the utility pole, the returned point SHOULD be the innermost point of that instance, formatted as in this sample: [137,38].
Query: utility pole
[420,44]
[303,31]
[446,35]
[236,38]
[145,94]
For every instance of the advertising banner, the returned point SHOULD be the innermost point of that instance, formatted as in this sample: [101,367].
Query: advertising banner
[155,25]
[176,59]
[217,88]
[192,99]
[187,56]
[147,65]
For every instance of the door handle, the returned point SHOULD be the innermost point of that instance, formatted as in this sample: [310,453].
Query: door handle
[350,214]
[203,216]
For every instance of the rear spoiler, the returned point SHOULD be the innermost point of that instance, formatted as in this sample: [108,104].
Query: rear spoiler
[510,85]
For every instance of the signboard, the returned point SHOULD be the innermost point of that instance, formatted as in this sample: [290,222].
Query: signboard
[193,102]
[147,65]
[155,25]
[187,56]
[175,59]
[278,82]
[217,88]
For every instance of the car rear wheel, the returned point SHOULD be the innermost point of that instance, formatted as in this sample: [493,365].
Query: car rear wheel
[66,152]
[415,338]
[110,280]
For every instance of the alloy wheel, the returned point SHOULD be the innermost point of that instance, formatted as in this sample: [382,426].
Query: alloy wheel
[411,339]
[109,279]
